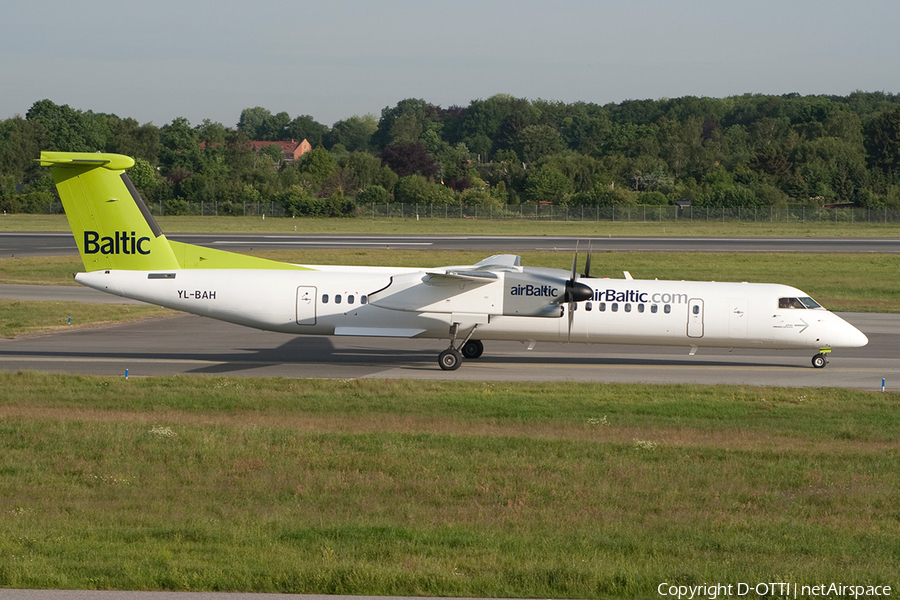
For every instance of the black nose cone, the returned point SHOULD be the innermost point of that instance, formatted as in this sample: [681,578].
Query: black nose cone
[577,292]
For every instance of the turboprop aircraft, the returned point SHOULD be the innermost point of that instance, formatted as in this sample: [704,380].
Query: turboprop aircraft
[125,253]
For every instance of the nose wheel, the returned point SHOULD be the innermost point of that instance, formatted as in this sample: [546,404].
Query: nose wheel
[819,361]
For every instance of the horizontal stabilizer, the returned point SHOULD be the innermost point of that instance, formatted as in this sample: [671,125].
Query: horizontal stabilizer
[113,162]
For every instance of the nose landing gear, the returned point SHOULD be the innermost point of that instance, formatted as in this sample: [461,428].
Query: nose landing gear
[820,360]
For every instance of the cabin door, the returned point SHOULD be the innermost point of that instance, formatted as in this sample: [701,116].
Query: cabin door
[306,305]
[695,318]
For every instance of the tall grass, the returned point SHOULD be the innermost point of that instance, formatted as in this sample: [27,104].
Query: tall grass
[441,488]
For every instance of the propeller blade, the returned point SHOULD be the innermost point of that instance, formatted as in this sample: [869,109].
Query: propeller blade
[570,287]
[575,263]
[571,308]
[587,262]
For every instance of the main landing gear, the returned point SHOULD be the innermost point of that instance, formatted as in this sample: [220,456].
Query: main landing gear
[451,358]
[820,360]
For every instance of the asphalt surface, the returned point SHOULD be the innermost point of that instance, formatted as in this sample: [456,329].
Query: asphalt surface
[54,244]
[197,345]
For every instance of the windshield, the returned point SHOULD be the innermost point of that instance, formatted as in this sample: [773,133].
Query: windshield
[801,302]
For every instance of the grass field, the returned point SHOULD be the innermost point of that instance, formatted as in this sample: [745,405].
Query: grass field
[449,488]
[364,225]
[441,488]
[25,318]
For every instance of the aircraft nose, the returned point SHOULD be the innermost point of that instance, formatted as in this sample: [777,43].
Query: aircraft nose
[850,336]
[856,338]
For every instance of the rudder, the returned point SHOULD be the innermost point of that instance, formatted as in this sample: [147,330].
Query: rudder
[112,226]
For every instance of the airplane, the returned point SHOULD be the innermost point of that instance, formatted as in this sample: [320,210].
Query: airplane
[125,253]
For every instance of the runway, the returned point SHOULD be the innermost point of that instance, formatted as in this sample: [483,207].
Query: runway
[54,244]
[195,345]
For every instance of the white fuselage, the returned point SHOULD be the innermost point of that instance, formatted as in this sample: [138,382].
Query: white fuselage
[334,301]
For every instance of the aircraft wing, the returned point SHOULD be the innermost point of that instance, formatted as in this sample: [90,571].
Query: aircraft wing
[497,285]
[442,292]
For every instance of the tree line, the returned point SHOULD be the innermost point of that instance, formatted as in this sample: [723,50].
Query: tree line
[739,151]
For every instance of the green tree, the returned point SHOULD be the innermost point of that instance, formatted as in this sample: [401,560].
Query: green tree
[254,122]
[416,189]
[355,133]
[316,167]
[374,194]
[144,176]
[66,130]
[883,142]
[306,128]
[129,138]
[358,171]
[406,122]
[547,184]
[180,148]
[536,141]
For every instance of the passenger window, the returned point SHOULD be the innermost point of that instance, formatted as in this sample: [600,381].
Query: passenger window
[640,308]
[363,299]
[324,298]
[602,307]
[615,307]
[628,308]
[588,306]
[350,299]
[696,309]
[654,308]
[667,308]
[337,298]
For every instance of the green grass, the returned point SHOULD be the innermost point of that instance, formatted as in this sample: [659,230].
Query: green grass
[392,226]
[441,488]
[19,317]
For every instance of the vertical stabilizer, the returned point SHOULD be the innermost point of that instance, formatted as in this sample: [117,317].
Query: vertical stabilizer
[112,226]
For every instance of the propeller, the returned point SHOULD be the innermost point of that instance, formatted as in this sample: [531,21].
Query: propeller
[576,292]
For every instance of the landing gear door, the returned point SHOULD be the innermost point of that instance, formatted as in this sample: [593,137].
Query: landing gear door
[695,318]
[306,305]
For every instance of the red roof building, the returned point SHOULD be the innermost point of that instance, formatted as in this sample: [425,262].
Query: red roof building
[290,151]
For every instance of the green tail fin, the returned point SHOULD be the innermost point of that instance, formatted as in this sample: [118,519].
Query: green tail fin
[113,227]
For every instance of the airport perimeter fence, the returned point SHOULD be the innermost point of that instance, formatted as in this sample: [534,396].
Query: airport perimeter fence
[554,213]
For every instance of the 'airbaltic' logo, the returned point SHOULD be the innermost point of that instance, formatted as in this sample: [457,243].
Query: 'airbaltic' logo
[121,242]
[541,291]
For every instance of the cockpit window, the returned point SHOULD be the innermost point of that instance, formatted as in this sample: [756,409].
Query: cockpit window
[802,302]
[809,302]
